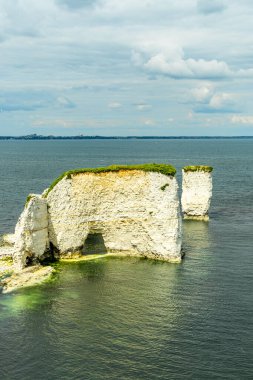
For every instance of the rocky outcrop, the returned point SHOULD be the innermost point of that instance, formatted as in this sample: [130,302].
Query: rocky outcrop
[7,246]
[131,212]
[33,275]
[31,232]
[196,192]
[122,210]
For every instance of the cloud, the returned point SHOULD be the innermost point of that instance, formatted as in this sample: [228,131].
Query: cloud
[203,93]
[219,103]
[30,100]
[78,53]
[114,105]
[208,100]
[143,106]
[149,122]
[189,68]
[210,6]
[237,119]
[167,58]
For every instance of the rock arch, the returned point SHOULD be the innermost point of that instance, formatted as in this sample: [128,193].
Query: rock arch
[135,209]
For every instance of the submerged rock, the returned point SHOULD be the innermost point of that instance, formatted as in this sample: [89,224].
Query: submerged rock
[29,276]
[196,192]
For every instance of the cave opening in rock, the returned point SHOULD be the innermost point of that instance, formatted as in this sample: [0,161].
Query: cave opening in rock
[94,244]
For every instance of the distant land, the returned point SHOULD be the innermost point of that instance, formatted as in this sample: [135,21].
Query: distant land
[96,137]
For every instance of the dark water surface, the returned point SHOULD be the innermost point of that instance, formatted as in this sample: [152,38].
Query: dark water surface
[131,318]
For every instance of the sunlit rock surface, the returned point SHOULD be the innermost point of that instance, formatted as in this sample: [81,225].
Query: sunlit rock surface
[29,276]
[31,232]
[97,211]
[132,213]
[196,193]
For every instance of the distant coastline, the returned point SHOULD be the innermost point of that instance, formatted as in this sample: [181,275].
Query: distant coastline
[97,137]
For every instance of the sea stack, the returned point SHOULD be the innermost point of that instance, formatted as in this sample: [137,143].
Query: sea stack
[31,232]
[196,192]
[130,210]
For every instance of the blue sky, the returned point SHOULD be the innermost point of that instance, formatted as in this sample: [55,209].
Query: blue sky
[132,67]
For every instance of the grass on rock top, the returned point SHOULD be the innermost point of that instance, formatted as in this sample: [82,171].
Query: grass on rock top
[29,197]
[157,168]
[198,168]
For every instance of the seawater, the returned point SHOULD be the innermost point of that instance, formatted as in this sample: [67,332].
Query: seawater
[131,318]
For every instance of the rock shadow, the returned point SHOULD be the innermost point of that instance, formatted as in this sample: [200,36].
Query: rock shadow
[94,244]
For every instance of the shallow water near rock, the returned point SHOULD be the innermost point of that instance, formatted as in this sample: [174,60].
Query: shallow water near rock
[129,318]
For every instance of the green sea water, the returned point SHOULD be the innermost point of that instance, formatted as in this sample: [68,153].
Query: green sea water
[129,318]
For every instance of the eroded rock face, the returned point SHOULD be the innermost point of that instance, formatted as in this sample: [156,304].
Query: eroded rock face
[133,212]
[196,194]
[31,232]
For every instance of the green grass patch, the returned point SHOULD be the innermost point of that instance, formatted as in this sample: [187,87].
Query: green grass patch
[198,168]
[29,197]
[157,168]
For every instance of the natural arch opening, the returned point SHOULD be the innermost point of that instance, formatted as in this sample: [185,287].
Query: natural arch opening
[94,244]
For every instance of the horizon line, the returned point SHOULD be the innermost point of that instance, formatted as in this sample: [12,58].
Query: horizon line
[89,137]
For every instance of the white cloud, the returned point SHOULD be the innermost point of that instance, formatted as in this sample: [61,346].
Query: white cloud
[114,105]
[166,57]
[237,119]
[143,106]
[208,99]
[219,101]
[149,122]
[187,68]
[203,93]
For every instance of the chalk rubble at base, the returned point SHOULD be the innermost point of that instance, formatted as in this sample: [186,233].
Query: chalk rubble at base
[196,193]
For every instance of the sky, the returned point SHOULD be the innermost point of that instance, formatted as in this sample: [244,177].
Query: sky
[132,67]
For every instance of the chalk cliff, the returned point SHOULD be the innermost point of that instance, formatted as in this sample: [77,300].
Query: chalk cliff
[131,210]
[196,192]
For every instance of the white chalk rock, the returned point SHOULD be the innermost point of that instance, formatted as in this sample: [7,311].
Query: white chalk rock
[7,240]
[134,212]
[31,232]
[196,192]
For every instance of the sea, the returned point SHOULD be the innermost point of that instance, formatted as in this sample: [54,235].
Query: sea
[131,318]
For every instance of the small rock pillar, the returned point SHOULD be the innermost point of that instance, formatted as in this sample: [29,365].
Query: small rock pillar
[31,232]
[196,192]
